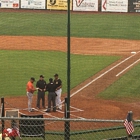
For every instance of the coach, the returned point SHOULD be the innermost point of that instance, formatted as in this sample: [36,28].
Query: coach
[30,90]
[41,85]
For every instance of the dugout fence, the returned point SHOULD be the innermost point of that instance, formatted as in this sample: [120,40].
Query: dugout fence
[81,129]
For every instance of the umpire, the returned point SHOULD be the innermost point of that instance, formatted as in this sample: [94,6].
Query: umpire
[41,85]
[51,95]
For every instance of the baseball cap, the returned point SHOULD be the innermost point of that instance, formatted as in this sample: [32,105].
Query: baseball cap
[50,80]
[42,76]
[32,78]
[55,75]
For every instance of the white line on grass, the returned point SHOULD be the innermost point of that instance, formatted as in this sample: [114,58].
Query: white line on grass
[87,86]
[102,75]
[127,67]
[97,79]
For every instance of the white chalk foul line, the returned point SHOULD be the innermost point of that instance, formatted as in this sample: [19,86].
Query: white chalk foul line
[103,74]
[22,113]
[76,109]
[45,113]
[77,116]
[127,67]
[71,114]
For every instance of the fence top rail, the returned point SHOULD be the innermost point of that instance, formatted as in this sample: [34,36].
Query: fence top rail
[62,119]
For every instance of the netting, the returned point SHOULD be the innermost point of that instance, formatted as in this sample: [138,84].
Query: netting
[104,59]
[36,128]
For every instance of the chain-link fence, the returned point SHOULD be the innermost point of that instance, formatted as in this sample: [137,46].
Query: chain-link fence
[104,47]
[55,129]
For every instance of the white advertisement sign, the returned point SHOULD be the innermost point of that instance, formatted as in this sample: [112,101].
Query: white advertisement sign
[33,4]
[9,3]
[85,5]
[114,5]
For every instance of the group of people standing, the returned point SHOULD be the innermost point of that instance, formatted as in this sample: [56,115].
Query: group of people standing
[54,89]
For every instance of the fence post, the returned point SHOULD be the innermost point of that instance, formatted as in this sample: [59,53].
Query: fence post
[131,118]
[13,124]
[67,123]
[2,115]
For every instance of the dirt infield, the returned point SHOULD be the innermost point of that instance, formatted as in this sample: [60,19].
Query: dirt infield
[84,102]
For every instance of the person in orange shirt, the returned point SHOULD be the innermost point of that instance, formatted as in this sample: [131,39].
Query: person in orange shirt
[30,90]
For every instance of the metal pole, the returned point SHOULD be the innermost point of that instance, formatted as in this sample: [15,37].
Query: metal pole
[67,100]
[130,113]
[2,115]
[67,124]
[68,61]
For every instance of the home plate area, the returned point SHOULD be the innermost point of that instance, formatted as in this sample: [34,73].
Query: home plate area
[57,114]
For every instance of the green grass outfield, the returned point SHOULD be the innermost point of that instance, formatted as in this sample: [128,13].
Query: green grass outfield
[18,66]
[128,86]
[109,25]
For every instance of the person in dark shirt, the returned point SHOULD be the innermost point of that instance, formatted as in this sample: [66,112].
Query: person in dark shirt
[51,95]
[58,84]
[41,86]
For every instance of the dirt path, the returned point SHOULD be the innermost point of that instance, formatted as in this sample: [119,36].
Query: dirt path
[78,45]
[85,99]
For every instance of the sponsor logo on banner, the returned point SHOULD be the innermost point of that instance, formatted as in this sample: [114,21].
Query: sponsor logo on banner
[85,5]
[134,5]
[9,3]
[137,6]
[104,4]
[78,2]
[58,4]
[114,5]
[15,5]
[52,2]
[33,4]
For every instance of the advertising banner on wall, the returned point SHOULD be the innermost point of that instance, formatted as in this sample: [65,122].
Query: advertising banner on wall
[58,4]
[9,3]
[85,5]
[134,5]
[33,4]
[114,6]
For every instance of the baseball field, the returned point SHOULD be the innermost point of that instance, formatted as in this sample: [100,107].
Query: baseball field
[104,59]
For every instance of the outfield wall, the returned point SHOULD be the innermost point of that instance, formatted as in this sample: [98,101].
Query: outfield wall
[75,5]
